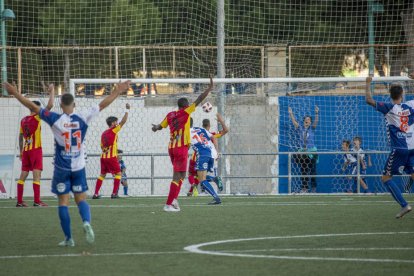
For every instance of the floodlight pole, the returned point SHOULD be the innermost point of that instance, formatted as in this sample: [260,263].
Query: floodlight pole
[3,48]
[221,73]
[5,14]
[373,7]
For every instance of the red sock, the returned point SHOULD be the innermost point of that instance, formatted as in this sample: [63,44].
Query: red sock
[180,183]
[173,191]
[20,189]
[36,191]
[191,189]
[117,182]
[98,185]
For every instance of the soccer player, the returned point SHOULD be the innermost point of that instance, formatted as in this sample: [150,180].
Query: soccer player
[179,124]
[124,178]
[203,147]
[69,130]
[399,117]
[349,161]
[31,155]
[192,173]
[307,162]
[214,153]
[109,156]
[363,164]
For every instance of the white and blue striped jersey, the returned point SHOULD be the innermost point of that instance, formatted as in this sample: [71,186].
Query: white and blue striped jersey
[69,131]
[201,141]
[400,123]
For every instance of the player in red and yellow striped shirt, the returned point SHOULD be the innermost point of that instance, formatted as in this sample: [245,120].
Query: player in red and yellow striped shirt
[109,156]
[179,123]
[30,143]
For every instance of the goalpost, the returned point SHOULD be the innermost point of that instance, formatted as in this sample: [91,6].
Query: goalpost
[260,147]
[163,43]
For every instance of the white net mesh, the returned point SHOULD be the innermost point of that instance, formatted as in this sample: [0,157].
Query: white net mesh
[58,40]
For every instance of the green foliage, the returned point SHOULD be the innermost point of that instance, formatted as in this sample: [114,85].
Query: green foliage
[104,23]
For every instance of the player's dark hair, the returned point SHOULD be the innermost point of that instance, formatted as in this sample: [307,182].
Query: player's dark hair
[37,103]
[191,122]
[396,92]
[346,142]
[308,116]
[357,138]
[206,123]
[111,120]
[67,99]
[182,103]
[120,151]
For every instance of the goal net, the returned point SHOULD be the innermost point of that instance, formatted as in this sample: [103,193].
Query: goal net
[56,41]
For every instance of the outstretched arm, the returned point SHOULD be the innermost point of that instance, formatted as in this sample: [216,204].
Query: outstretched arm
[12,90]
[368,97]
[119,89]
[50,89]
[205,93]
[125,118]
[223,124]
[315,122]
[292,117]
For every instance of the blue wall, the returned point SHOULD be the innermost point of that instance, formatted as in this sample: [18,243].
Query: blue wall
[341,117]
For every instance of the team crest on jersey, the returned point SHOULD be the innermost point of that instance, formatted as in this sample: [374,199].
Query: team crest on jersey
[205,166]
[401,169]
[61,187]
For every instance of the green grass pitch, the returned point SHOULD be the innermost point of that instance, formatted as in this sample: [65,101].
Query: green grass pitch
[276,235]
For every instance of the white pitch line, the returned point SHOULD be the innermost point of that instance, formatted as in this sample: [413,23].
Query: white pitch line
[92,254]
[196,248]
[325,249]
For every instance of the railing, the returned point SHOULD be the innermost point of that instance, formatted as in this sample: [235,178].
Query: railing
[290,176]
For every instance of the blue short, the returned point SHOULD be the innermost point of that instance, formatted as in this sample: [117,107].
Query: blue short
[399,161]
[204,163]
[67,181]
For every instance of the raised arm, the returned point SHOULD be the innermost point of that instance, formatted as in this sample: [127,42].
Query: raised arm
[223,124]
[292,117]
[316,121]
[119,89]
[125,118]
[205,93]
[368,97]
[12,90]
[50,89]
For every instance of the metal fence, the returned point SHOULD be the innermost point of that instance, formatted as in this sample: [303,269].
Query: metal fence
[155,171]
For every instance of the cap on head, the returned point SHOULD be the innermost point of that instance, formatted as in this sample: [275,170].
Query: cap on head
[182,103]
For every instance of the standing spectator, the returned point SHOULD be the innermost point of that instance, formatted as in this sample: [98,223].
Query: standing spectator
[307,162]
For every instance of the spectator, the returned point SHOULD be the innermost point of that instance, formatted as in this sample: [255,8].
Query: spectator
[306,161]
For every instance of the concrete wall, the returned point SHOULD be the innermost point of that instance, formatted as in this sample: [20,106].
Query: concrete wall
[253,127]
